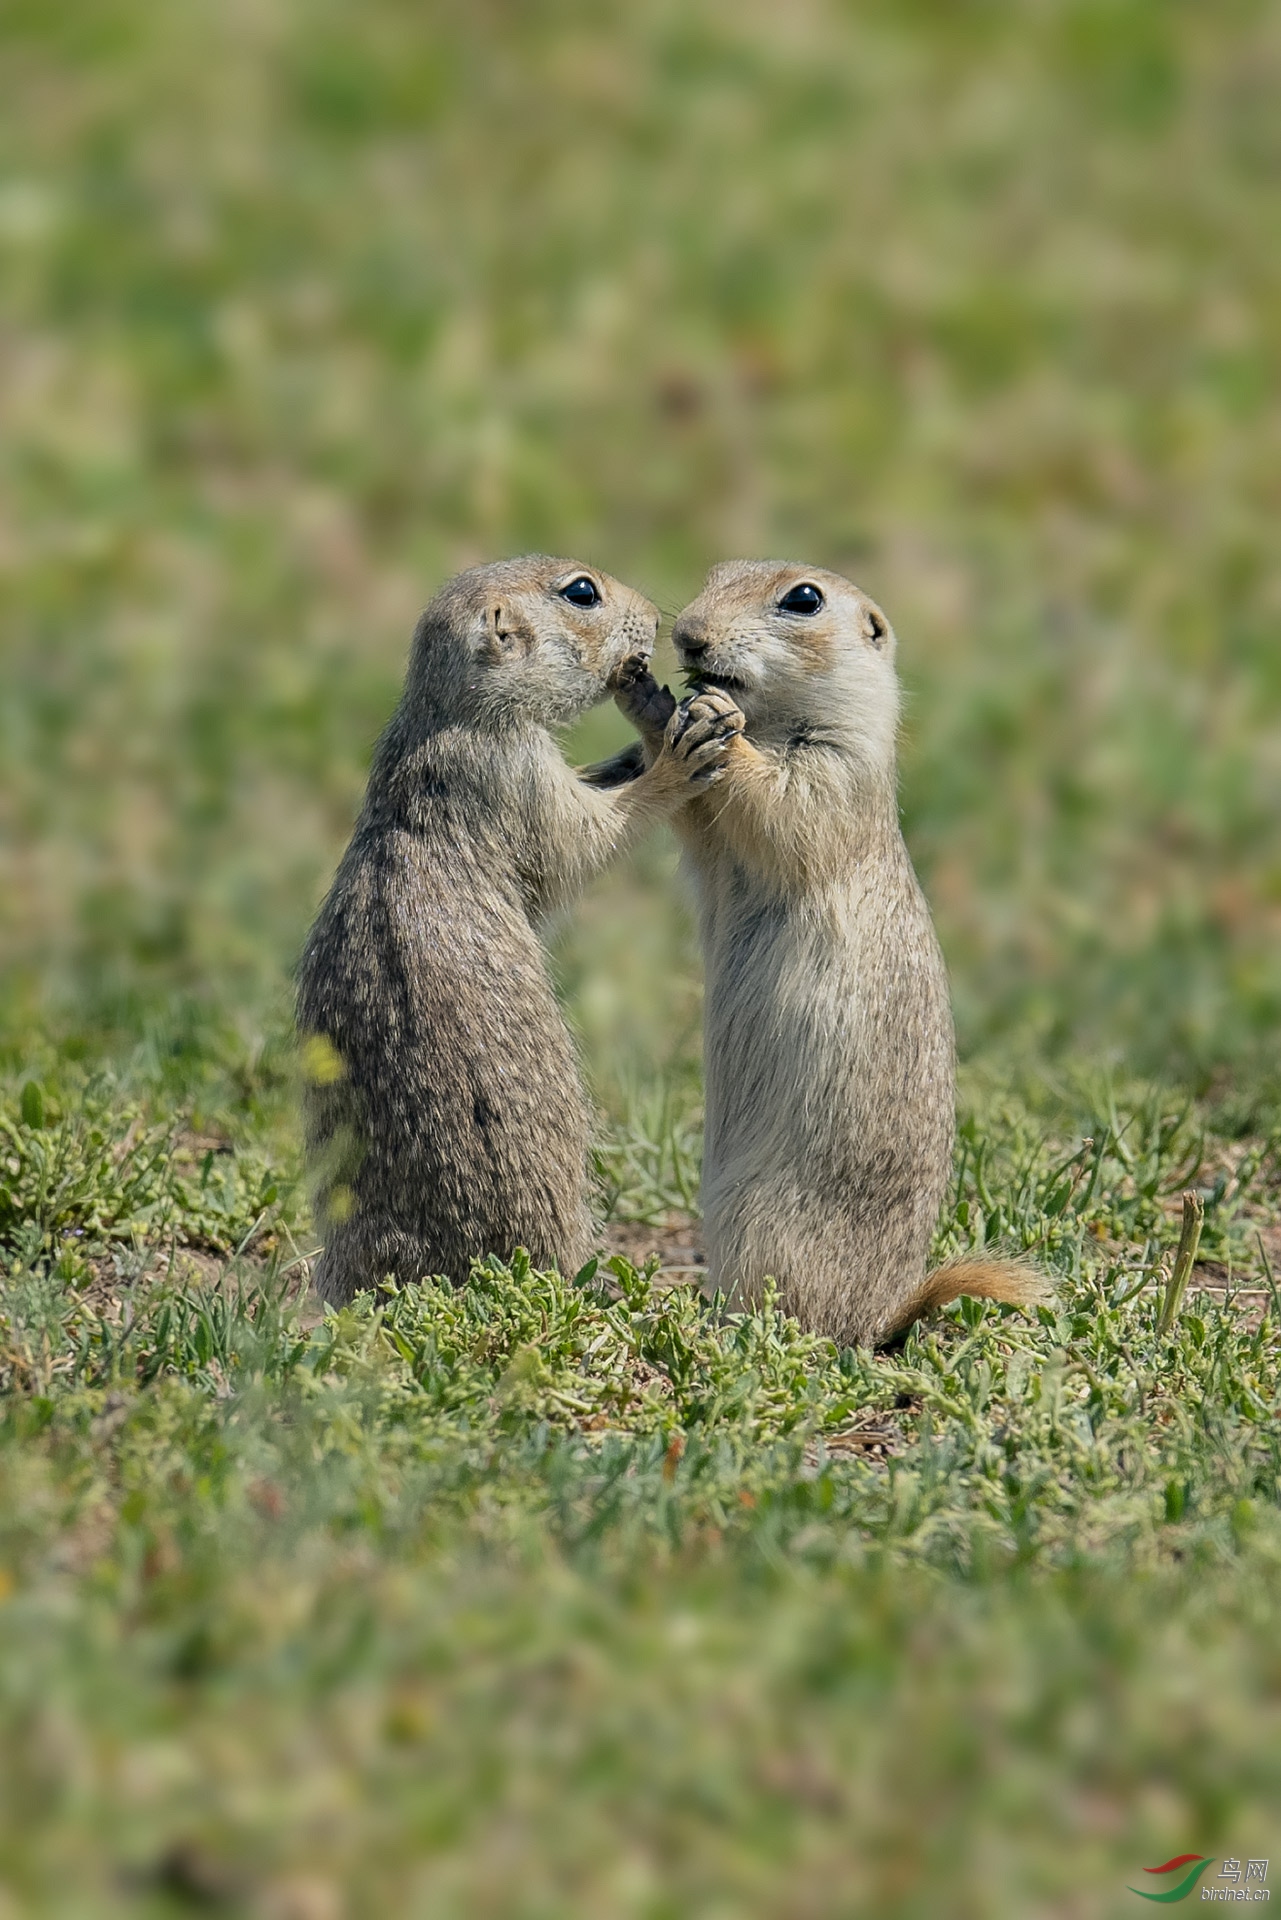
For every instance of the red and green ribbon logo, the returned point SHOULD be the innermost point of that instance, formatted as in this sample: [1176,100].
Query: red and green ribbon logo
[1196,1864]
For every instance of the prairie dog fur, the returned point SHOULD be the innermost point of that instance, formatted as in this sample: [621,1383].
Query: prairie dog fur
[445,1115]
[828,1038]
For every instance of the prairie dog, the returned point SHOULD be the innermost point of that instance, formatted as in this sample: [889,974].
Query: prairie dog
[445,1115]
[828,1038]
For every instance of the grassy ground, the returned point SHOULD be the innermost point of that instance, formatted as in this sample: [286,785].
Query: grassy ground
[556,1598]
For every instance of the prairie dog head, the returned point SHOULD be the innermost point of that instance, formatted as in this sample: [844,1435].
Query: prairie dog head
[799,649]
[533,640]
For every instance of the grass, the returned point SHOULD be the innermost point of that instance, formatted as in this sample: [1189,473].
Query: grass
[558,1595]
[575,1596]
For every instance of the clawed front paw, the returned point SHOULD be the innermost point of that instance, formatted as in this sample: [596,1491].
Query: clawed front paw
[700,735]
[639,697]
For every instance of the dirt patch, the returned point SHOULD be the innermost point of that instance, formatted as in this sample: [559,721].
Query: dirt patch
[873,1436]
[1227,1289]
[115,1274]
[191,1147]
[675,1241]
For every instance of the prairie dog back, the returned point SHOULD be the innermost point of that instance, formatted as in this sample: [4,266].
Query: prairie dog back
[828,1040]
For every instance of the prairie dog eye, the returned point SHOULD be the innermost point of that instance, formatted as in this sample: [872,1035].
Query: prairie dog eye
[581,592]
[804,599]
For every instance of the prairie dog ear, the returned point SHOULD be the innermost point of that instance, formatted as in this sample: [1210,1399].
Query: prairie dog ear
[505,634]
[876,629]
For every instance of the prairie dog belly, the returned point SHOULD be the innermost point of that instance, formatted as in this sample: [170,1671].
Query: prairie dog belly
[783,1021]
[829,1076]
[819,1010]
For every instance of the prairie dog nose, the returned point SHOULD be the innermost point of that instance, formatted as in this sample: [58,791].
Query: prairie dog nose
[690,639]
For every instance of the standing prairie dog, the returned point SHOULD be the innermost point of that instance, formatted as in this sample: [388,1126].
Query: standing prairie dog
[828,1041]
[445,1115]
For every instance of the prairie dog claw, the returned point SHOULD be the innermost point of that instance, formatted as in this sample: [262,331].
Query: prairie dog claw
[701,732]
[640,699]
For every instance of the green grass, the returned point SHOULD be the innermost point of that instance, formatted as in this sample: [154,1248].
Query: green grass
[575,1597]
[556,1595]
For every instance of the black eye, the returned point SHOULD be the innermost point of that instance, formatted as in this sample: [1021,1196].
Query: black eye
[582,592]
[803,599]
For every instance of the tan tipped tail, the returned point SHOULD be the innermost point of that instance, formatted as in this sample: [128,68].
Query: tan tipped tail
[1012,1282]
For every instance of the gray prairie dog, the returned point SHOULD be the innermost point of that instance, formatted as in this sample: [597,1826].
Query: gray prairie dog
[445,1115]
[830,1067]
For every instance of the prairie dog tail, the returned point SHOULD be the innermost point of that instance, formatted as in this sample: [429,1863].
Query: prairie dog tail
[1013,1282]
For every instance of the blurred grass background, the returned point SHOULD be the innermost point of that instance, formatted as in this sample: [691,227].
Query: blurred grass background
[306,307]
[302,308]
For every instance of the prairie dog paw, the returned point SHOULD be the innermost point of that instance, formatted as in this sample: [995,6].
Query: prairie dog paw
[641,699]
[700,734]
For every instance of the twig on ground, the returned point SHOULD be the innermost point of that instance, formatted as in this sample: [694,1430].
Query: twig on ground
[1189,1241]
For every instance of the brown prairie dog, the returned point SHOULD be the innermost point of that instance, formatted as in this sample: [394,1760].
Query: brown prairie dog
[445,1114]
[828,1040]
